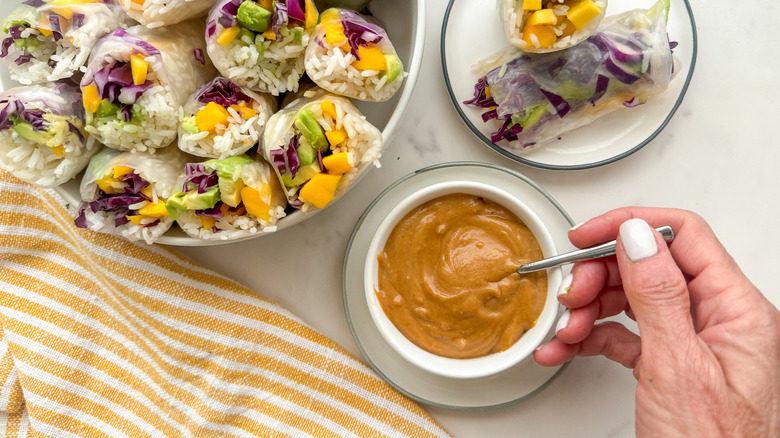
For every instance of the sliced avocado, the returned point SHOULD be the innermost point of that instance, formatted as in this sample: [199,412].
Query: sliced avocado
[189,126]
[304,174]
[174,203]
[201,201]
[394,67]
[306,153]
[107,109]
[229,174]
[570,90]
[253,16]
[533,114]
[27,131]
[311,130]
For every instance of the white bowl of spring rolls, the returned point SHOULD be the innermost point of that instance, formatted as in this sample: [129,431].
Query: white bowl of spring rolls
[271,179]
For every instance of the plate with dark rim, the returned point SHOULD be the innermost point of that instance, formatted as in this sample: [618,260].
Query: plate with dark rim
[608,139]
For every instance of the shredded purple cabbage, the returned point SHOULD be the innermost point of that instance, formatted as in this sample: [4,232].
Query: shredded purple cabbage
[72,128]
[279,18]
[602,83]
[211,29]
[222,91]
[5,46]
[54,20]
[561,106]
[319,160]
[23,59]
[295,9]
[199,56]
[78,20]
[359,32]
[634,102]
[198,177]
[229,10]
[34,3]
[16,31]
[480,95]
[118,204]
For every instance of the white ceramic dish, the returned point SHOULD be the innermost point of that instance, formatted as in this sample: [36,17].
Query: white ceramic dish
[608,139]
[444,366]
[526,377]
[405,24]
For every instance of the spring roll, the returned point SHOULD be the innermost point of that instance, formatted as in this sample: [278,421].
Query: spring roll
[355,5]
[137,82]
[318,146]
[124,193]
[541,26]
[158,13]
[352,57]
[261,45]
[227,199]
[44,41]
[222,120]
[42,137]
[537,98]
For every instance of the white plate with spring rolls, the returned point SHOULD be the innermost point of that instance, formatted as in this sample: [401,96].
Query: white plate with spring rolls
[592,135]
[404,21]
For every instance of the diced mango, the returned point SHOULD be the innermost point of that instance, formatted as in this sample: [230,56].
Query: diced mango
[312,15]
[210,116]
[58,151]
[582,12]
[269,35]
[244,110]
[207,222]
[334,33]
[488,94]
[532,5]
[136,219]
[566,26]
[329,108]
[45,32]
[336,137]
[139,67]
[542,16]
[254,203]
[371,58]
[138,2]
[320,189]
[120,171]
[337,164]
[147,191]
[228,35]
[154,209]
[545,36]
[268,5]
[107,185]
[90,98]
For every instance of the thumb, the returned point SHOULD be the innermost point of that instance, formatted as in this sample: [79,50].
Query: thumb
[656,289]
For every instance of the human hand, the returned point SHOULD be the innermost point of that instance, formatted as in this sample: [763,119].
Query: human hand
[707,358]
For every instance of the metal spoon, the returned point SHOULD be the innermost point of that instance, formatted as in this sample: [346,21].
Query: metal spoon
[603,250]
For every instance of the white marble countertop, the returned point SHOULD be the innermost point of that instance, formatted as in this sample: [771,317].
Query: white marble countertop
[718,156]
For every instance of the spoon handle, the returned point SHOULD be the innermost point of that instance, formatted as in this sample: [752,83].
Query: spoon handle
[603,250]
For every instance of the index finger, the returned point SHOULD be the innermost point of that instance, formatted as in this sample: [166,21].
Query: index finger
[695,246]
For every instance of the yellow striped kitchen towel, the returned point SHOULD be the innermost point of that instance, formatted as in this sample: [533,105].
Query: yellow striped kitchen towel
[105,338]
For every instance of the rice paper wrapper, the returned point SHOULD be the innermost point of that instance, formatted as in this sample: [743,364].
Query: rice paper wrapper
[363,143]
[44,42]
[159,13]
[261,63]
[42,136]
[161,170]
[537,98]
[514,18]
[239,212]
[243,114]
[177,67]
[355,5]
[338,68]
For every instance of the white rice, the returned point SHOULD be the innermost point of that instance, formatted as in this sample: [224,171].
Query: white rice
[332,70]
[277,70]
[157,13]
[514,17]
[234,139]
[38,164]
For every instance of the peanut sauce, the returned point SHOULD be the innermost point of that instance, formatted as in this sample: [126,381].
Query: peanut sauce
[447,277]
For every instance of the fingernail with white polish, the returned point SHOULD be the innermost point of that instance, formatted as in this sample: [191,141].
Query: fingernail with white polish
[638,239]
[563,321]
[565,286]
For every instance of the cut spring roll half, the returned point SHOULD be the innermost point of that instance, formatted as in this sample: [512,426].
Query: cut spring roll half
[261,45]
[227,199]
[137,82]
[158,13]
[124,193]
[536,98]
[222,120]
[541,26]
[44,41]
[318,146]
[352,57]
[42,137]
